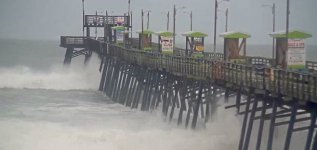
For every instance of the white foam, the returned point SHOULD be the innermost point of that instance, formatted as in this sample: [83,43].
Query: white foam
[58,77]
[117,134]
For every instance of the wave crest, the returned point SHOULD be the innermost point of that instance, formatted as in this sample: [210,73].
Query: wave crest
[57,77]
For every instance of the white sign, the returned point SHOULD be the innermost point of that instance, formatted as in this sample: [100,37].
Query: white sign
[167,44]
[296,54]
[119,36]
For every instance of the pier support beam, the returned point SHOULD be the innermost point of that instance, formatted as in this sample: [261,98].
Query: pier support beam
[68,55]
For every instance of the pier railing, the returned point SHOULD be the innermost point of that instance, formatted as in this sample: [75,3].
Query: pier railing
[279,82]
[72,41]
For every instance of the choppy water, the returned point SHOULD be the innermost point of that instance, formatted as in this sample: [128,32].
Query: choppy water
[44,106]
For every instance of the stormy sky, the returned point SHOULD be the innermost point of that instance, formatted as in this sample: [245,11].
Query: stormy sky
[49,19]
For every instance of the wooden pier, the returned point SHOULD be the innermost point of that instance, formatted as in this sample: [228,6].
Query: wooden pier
[187,89]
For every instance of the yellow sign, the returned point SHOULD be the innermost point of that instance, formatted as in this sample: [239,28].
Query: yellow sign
[200,48]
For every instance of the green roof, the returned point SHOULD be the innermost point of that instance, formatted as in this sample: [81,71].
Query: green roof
[294,34]
[121,28]
[234,35]
[145,32]
[165,33]
[194,34]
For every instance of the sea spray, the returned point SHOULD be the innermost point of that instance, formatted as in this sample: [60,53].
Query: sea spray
[50,119]
[58,77]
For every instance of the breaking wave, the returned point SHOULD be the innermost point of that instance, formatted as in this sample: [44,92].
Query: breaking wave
[57,77]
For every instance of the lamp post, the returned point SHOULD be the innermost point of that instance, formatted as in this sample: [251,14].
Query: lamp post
[142,20]
[96,22]
[287,21]
[167,19]
[107,32]
[148,20]
[215,23]
[130,15]
[227,12]
[273,14]
[129,7]
[83,6]
[174,24]
[190,19]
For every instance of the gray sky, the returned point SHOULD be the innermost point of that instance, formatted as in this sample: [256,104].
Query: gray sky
[48,19]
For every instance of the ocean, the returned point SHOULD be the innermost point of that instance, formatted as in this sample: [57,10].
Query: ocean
[46,106]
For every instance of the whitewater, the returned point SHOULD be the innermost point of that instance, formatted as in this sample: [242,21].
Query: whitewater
[46,106]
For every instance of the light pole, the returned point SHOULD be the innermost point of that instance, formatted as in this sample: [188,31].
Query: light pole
[96,22]
[174,24]
[190,19]
[130,15]
[142,20]
[129,7]
[215,23]
[227,12]
[106,26]
[148,18]
[287,21]
[167,19]
[273,13]
[141,40]
[83,6]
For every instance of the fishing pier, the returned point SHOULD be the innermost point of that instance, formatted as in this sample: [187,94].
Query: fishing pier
[187,83]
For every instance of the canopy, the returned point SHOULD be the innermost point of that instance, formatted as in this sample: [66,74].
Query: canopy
[165,33]
[234,35]
[120,28]
[194,34]
[293,34]
[145,32]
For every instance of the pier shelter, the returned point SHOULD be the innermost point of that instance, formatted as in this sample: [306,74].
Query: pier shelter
[291,53]
[233,46]
[165,40]
[145,40]
[194,43]
[119,34]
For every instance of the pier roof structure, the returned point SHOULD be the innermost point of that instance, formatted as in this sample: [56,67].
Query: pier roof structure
[195,34]
[235,35]
[293,34]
